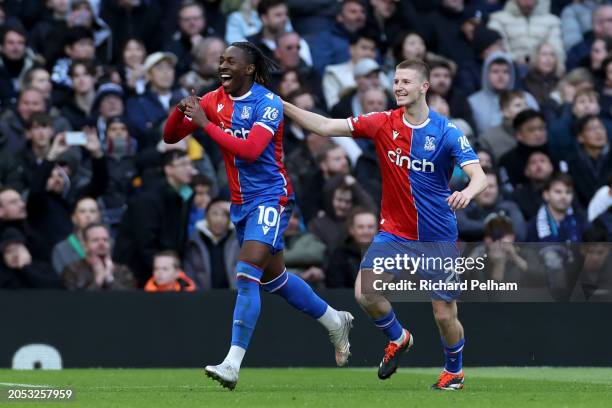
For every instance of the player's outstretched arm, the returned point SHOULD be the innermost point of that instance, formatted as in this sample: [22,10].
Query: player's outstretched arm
[478,182]
[316,123]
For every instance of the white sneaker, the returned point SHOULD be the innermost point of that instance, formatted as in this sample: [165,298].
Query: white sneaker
[224,374]
[340,338]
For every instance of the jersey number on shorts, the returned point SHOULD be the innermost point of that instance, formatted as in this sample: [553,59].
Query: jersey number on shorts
[268,216]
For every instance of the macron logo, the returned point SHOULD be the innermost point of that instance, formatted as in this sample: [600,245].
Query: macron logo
[265,229]
[270,96]
[395,134]
[219,107]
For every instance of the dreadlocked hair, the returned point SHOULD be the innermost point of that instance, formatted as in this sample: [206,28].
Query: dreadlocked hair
[263,65]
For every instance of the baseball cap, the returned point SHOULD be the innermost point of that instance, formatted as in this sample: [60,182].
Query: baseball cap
[365,66]
[157,57]
[9,236]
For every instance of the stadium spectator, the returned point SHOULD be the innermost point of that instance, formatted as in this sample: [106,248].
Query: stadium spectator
[484,43]
[156,220]
[331,161]
[500,139]
[497,75]
[53,24]
[602,28]
[524,24]
[18,270]
[289,82]
[557,220]
[590,164]
[303,158]
[203,75]
[600,49]
[167,275]
[97,271]
[123,170]
[287,55]
[341,194]
[243,22]
[133,18]
[82,14]
[528,196]
[351,17]
[13,214]
[304,253]
[77,108]
[595,279]
[563,138]
[202,188]
[193,27]
[339,78]
[212,251]
[471,220]
[530,131]
[15,60]
[576,22]
[388,19]
[107,104]
[58,184]
[367,74]
[441,81]
[146,112]
[446,27]
[78,45]
[274,16]
[13,122]
[38,78]
[502,260]
[71,249]
[543,74]
[343,264]
[132,67]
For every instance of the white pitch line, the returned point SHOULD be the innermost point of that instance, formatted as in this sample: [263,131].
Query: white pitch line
[25,385]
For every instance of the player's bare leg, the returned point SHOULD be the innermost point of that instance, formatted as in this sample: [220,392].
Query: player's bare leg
[301,296]
[254,257]
[381,312]
[451,331]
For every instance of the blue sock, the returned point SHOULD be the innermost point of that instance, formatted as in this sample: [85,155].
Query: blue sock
[453,356]
[248,303]
[297,293]
[390,326]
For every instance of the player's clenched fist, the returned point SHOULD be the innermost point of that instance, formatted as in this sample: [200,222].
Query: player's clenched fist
[458,200]
[196,113]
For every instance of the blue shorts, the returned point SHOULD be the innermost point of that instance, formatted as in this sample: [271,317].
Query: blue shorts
[264,219]
[435,259]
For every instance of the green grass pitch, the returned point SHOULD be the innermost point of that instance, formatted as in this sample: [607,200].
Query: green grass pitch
[305,387]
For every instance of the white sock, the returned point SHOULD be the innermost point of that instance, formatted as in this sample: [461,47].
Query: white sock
[330,319]
[234,356]
[401,338]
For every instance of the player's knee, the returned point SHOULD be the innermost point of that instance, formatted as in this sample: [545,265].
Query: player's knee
[444,316]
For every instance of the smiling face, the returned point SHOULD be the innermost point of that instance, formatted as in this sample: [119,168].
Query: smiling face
[235,71]
[409,86]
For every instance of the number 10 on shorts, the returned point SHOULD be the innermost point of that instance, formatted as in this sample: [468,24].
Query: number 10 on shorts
[268,217]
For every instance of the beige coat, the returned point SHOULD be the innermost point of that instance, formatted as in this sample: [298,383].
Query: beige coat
[522,34]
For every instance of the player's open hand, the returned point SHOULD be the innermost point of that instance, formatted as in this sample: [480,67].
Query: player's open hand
[458,200]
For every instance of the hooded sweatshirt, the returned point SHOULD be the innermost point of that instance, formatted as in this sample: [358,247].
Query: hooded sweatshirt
[485,103]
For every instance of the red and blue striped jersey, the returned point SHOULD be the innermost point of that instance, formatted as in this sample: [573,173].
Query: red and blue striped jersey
[266,176]
[416,164]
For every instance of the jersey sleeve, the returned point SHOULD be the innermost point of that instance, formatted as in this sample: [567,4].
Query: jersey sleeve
[460,148]
[269,113]
[366,126]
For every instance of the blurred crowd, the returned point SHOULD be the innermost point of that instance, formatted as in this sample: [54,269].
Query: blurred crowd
[91,197]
